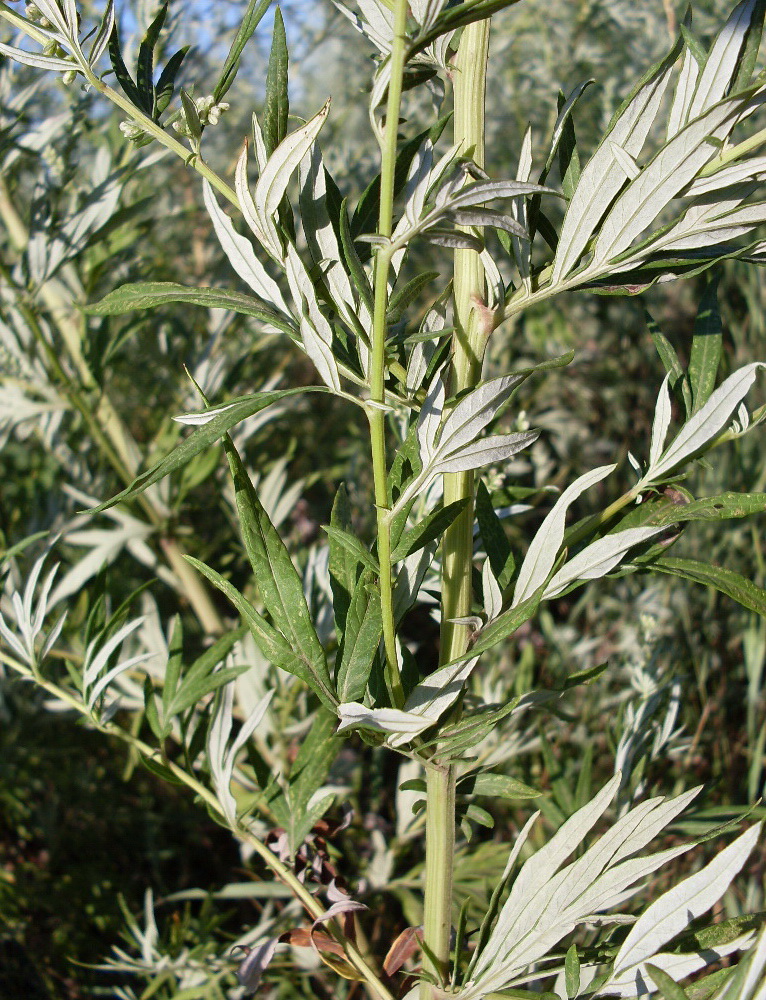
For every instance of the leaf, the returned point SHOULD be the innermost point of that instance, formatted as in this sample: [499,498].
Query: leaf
[353,263]
[707,346]
[276,174]
[597,559]
[252,17]
[202,677]
[738,587]
[501,786]
[241,255]
[704,426]
[101,40]
[278,581]
[572,971]
[344,564]
[721,507]
[723,61]
[669,988]
[668,915]
[602,177]
[423,708]
[430,528]
[684,92]
[670,361]
[150,294]
[165,87]
[454,240]
[276,104]
[403,297]
[662,416]
[353,545]
[191,115]
[124,78]
[317,752]
[216,423]
[488,217]
[145,63]
[272,643]
[173,666]
[496,543]
[547,901]
[494,904]
[544,547]
[506,624]
[671,169]
[361,638]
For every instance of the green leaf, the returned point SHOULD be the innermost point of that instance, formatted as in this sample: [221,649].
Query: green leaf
[255,11]
[276,106]
[361,638]
[145,61]
[707,346]
[272,643]
[225,418]
[569,158]
[343,564]
[173,667]
[668,987]
[278,581]
[191,115]
[159,770]
[480,816]
[454,17]
[502,786]
[149,294]
[430,528]
[353,263]
[150,710]
[506,624]
[749,54]
[572,971]
[352,544]
[738,587]
[190,694]
[365,216]
[669,511]
[165,87]
[124,78]
[309,772]
[407,294]
[496,543]
[670,360]
[201,678]
[710,986]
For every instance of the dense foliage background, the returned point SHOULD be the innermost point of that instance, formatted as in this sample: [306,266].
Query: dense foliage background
[85,831]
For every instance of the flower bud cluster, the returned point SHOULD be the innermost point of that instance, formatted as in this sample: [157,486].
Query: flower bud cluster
[133,132]
[209,114]
[34,13]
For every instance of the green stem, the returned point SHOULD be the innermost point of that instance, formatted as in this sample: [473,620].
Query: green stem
[376,411]
[468,344]
[440,858]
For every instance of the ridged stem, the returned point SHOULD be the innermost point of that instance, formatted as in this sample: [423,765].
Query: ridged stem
[468,344]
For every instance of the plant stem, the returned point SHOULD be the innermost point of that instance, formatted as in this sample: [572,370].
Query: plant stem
[376,412]
[468,344]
